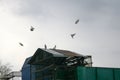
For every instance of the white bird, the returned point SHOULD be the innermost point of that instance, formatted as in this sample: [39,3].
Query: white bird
[45,46]
[54,47]
[72,35]
[76,21]
[32,28]
[21,44]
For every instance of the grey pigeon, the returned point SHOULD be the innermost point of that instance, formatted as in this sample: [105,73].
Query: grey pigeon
[32,28]
[72,35]
[76,21]
[45,46]
[21,44]
[54,47]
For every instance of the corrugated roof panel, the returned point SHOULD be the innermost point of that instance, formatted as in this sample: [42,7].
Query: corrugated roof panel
[62,53]
[56,54]
[67,53]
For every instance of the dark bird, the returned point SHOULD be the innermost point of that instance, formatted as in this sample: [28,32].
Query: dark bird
[76,21]
[54,47]
[32,28]
[21,44]
[45,46]
[72,35]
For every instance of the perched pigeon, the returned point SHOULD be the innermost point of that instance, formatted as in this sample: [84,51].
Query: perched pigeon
[72,35]
[45,46]
[54,47]
[76,21]
[21,44]
[32,29]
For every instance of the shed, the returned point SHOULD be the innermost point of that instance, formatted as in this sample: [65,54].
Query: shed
[46,61]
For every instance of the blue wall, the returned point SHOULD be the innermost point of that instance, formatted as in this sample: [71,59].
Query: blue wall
[26,70]
[26,73]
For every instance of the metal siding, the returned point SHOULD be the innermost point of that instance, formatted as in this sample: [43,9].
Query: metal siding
[97,73]
[105,74]
[81,73]
[70,74]
[84,73]
[117,74]
[91,73]
[26,70]
[60,74]
[26,73]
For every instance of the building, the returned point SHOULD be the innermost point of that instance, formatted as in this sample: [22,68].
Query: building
[44,63]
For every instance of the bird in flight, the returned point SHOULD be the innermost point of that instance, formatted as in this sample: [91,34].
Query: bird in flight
[76,21]
[72,35]
[54,47]
[21,44]
[32,28]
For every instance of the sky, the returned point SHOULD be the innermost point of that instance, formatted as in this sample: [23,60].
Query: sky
[97,33]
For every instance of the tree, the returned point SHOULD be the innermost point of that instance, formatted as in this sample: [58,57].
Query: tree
[5,69]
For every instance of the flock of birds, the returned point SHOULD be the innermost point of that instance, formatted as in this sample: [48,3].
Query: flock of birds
[31,29]
[72,35]
[45,46]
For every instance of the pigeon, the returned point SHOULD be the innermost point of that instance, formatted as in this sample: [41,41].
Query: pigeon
[54,47]
[76,21]
[45,46]
[21,44]
[32,28]
[72,35]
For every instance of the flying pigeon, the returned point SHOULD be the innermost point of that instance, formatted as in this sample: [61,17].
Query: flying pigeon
[72,35]
[21,44]
[32,28]
[76,21]
[45,46]
[54,47]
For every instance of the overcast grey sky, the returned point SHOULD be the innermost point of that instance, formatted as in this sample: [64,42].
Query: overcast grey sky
[97,33]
